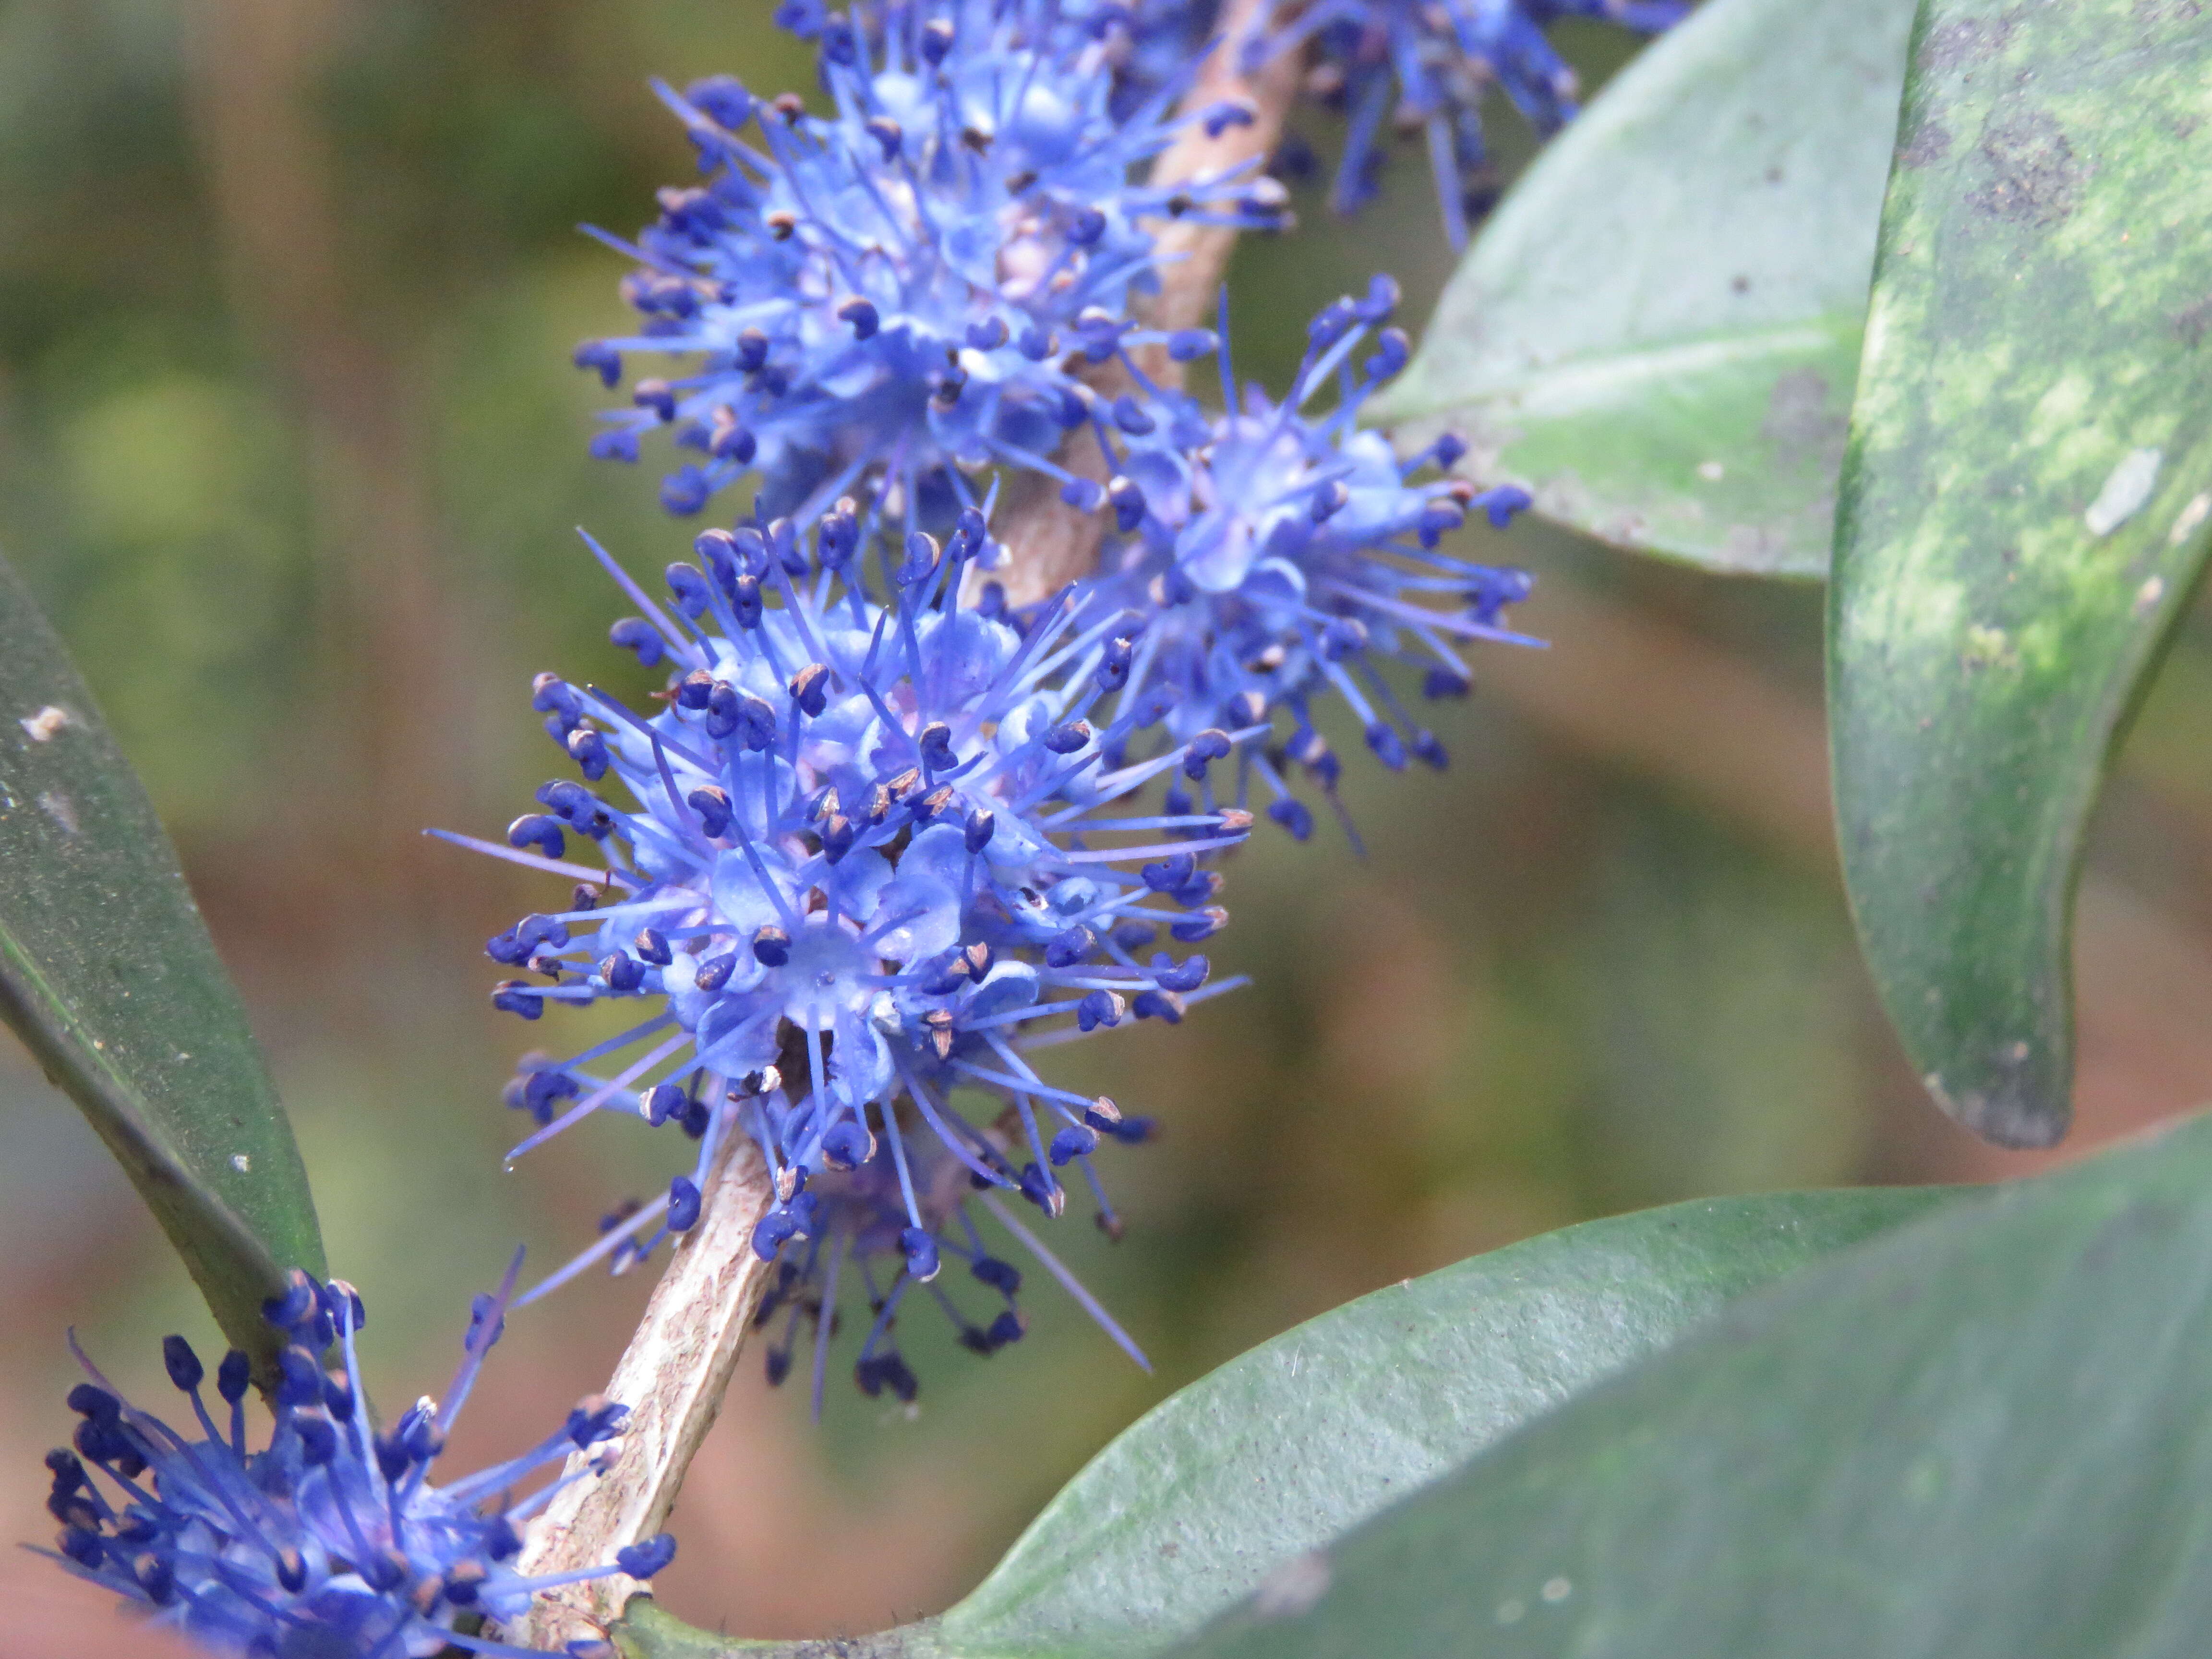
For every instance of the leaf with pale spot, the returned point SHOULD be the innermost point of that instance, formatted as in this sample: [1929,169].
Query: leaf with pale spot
[108,976]
[2026,507]
[1987,1435]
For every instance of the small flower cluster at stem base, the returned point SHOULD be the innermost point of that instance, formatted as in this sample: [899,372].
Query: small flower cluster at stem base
[330,1542]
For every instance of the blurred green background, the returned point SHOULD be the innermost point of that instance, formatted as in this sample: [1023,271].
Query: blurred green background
[289,445]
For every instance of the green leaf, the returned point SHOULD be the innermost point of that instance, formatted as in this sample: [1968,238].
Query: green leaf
[108,976]
[1987,1435]
[1658,329]
[1284,1447]
[2024,512]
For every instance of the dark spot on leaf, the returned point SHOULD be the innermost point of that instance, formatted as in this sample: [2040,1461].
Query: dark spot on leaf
[1929,144]
[1968,42]
[2191,322]
[1799,423]
[2035,178]
[891,1644]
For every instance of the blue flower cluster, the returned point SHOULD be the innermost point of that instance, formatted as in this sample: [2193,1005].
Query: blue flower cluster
[1429,64]
[1283,553]
[331,1540]
[877,839]
[890,299]
[884,836]
[1148,46]
[884,833]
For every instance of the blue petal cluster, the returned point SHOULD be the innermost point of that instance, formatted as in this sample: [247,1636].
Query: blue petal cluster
[1429,64]
[874,842]
[888,299]
[1282,553]
[860,1236]
[331,1541]
[1148,46]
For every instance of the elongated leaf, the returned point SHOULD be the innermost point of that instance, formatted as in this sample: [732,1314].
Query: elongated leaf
[2025,515]
[1987,1435]
[107,974]
[1658,330]
[1284,1447]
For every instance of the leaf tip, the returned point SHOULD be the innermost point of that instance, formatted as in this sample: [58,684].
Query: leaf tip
[2016,1111]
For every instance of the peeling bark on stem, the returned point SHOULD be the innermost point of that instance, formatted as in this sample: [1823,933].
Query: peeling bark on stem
[1054,543]
[672,1377]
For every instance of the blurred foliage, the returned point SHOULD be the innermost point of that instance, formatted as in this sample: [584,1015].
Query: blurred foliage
[289,444]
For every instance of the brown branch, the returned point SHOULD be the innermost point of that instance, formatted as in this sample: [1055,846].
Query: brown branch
[1195,257]
[672,1376]
[1054,545]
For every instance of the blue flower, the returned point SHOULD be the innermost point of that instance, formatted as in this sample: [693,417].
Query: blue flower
[1287,554]
[331,1541]
[1151,44]
[875,844]
[888,299]
[860,1236]
[1148,46]
[1430,64]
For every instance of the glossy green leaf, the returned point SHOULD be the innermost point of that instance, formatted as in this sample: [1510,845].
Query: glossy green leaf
[108,976]
[1987,1435]
[1284,1447]
[1658,329]
[2024,512]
